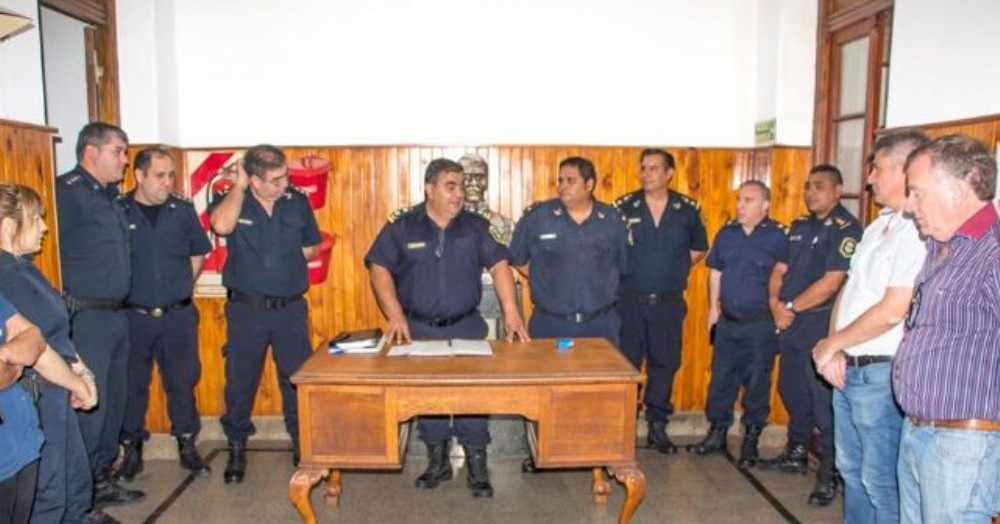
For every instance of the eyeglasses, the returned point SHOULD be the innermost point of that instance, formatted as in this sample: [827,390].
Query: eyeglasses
[911,315]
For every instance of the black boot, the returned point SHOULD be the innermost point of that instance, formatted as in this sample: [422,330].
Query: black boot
[826,484]
[296,453]
[528,466]
[190,459]
[657,438]
[795,459]
[131,460]
[748,451]
[477,477]
[236,466]
[108,492]
[438,466]
[714,442]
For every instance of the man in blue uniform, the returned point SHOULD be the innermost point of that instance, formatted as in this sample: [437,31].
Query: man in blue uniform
[168,249]
[801,292]
[425,268]
[572,249]
[741,260]
[666,236]
[271,233]
[94,251]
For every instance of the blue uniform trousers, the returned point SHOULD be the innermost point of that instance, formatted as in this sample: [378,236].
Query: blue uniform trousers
[805,394]
[607,325]
[472,431]
[743,356]
[172,341]
[101,339]
[654,333]
[249,332]
[65,484]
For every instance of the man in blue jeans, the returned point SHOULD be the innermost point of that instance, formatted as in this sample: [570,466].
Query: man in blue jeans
[857,357]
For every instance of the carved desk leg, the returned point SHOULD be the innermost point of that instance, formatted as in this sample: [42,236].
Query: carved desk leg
[600,488]
[331,497]
[299,487]
[635,489]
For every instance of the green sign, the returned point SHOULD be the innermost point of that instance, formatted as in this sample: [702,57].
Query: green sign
[764,132]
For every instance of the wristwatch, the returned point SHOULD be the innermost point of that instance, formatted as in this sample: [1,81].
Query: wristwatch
[790,305]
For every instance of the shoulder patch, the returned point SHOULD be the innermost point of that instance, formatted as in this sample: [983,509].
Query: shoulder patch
[847,247]
[399,213]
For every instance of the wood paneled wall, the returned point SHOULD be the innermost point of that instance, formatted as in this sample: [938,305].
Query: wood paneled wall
[27,158]
[368,183]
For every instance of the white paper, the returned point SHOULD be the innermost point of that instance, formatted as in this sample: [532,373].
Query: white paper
[443,348]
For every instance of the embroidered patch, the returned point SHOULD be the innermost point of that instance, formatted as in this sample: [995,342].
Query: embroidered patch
[847,247]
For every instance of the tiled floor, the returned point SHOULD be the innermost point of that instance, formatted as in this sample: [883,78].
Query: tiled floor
[680,489]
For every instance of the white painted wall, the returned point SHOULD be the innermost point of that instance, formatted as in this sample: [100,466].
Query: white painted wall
[795,74]
[65,81]
[944,61]
[438,72]
[21,95]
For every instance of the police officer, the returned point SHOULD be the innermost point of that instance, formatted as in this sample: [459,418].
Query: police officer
[572,249]
[168,249]
[425,268]
[271,233]
[94,252]
[801,292]
[741,260]
[666,236]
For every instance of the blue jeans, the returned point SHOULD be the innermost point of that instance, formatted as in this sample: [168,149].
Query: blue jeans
[948,475]
[867,424]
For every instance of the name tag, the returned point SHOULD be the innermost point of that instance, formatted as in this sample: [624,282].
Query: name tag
[131,226]
[634,220]
[245,221]
[795,238]
[547,236]
[416,245]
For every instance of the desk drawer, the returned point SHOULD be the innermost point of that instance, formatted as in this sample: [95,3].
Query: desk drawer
[346,425]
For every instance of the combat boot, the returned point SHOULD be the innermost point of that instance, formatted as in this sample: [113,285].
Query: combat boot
[477,477]
[189,457]
[438,466]
[714,442]
[748,451]
[131,464]
[795,459]
[826,484]
[236,465]
[657,438]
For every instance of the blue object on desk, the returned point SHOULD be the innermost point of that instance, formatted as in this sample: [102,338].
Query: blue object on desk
[334,350]
[563,344]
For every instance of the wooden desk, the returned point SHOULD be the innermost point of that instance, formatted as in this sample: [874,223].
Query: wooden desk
[581,402]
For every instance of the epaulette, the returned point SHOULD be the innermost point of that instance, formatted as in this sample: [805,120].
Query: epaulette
[733,222]
[69,180]
[625,199]
[182,198]
[784,229]
[688,200]
[841,223]
[399,213]
[801,218]
[531,207]
[483,214]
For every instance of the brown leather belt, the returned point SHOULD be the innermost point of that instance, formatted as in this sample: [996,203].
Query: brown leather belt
[972,424]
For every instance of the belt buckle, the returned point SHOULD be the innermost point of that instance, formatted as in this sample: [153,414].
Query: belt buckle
[156,312]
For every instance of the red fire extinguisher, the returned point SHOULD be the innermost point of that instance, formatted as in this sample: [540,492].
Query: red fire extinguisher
[220,184]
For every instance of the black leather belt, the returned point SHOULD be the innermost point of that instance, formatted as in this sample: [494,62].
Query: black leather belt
[157,312]
[864,360]
[651,299]
[576,318]
[262,302]
[75,304]
[437,321]
[759,317]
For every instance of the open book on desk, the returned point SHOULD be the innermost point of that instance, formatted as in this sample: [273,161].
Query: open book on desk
[455,347]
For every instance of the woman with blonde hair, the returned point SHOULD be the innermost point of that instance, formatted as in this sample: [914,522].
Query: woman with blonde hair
[65,486]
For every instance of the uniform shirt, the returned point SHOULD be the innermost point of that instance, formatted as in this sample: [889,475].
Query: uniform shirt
[20,435]
[745,262]
[948,365]
[816,246]
[265,252]
[34,297]
[161,254]
[574,268]
[436,271]
[660,257]
[93,238]
[890,254]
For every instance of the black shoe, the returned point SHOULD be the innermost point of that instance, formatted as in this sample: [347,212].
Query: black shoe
[748,451]
[477,478]
[108,492]
[96,516]
[528,466]
[236,466]
[190,459]
[657,438]
[825,490]
[795,459]
[131,464]
[438,466]
[714,442]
